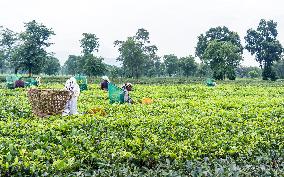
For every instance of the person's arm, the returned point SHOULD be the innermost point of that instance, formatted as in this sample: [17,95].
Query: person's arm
[126,96]
[130,101]
[16,84]
[107,85]
[23,84]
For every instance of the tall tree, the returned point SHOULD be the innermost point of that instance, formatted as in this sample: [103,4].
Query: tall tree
[31,53]
[51,66]
[142,36]
[131,55]
[94,66]
[204,70]
[136,53]
[188,65]
[114,71]
[8,42]
[90,64]
[263,44]
[89,43]
[152,66]
[159,67]
[72,65]
[223,58]
[218,34]
[172,64]
[243,71]
[2,61]
[279,68]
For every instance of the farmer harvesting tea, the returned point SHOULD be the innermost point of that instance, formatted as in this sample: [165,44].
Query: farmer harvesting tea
[74,89]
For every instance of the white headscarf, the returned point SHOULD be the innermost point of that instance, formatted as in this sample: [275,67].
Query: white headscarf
[72,86]
[105,78]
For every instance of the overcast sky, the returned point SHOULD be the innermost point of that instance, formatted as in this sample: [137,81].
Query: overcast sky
[173,24]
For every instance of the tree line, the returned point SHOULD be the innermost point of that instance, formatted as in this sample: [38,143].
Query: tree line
[26,51]
[219,50]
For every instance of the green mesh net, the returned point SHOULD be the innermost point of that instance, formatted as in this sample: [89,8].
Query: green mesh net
[30,82]
[10,81]
[210,82]
[82,82]
[116,94]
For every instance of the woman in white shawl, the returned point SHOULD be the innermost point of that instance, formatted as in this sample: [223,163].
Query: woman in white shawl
[74,89]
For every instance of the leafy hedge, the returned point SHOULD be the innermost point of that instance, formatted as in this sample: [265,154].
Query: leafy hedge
[156,80]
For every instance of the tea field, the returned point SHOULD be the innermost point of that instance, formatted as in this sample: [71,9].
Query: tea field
[234,129]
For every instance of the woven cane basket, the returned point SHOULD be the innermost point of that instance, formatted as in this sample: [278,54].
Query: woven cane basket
[47,102]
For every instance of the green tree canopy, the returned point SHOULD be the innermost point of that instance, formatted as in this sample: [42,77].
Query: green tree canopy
[204,70]
[51,66]
[8,38]
[263,44]
[188,65]
[89,43]
[114,71]
[72,64]
[279,68]
[8,42]
[132,56]
[243,71]
[94,66]
[31,53]
[172,64]
[223,58]
[136,53]
[89,64]
[218,34]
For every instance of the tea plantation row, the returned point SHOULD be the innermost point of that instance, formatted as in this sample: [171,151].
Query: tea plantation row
[190,130]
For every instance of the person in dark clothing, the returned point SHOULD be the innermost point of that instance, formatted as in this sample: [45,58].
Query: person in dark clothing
[19,83]
[104,84]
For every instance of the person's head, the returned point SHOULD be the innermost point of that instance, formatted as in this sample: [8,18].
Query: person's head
[73,80]
[128,86]
[105,78]
[70,84]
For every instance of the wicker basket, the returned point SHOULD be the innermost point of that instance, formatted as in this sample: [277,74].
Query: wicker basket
[47,102]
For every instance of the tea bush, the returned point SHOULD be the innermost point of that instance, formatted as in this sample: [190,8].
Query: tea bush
[233,129]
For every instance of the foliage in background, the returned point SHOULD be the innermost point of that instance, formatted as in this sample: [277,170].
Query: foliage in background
[172,64]
[188,65]
[51,66]
[26,52]
[93,66]
[243,71]
[136,53]
[263,43]
[87,64]
[223,58]
[219,34]
[8,41]
[31,53]
[89,43]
